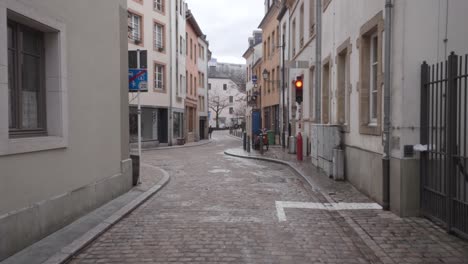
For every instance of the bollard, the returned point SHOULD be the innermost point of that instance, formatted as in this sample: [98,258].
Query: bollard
[248,144]
[261,143]
[299,147]
[245,140]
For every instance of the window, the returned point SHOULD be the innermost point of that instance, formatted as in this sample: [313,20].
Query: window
[158,32]
[191,84]
[272,42]
[209,86]
[231,99]
[158,5]
[186,82]
[301,26]
[264,49]
[191,49]
[191,113]
[269,47]
[136,27]
[26,73]
[343,69]
[370,76]
[312,17]
[326,92]
[178,125]
[195,53]
[273,76]
[181,45]
[225,87]
[293,38]
[312,95]
[231,110]
[373,91]
[158,76]
[195,84]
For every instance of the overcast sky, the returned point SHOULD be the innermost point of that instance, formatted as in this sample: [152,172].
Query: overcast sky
[228,25]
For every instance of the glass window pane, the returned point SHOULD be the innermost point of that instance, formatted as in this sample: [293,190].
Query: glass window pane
[30,92]
[10,37]
[374,49]
[12,96]
[32,42]
[374,105]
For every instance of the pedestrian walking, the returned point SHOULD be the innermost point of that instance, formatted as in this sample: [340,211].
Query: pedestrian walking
[210,131]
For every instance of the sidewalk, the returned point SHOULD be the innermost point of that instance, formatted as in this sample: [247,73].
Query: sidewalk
[391,238]
[63,244]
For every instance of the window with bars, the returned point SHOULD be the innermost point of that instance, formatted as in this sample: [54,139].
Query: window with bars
[158,36]
[135,26]
[158,76]
[27,104]
[158,5]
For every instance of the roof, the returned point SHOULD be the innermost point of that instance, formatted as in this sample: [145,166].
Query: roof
[267,16]
[193,22]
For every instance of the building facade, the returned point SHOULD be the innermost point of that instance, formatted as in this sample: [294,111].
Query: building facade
[170,109]
[252,56]
[149,22]
[270,67]
[64,148]
[202,62]
[338,48]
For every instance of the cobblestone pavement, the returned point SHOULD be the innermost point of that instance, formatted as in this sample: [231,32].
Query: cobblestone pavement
[219,209]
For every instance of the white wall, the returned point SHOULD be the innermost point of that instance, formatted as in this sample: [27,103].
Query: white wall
[153,97]
[232,90]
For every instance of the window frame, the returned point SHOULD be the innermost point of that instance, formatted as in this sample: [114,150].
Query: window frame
[373,27]
[162,66]
[163,6]
[131,39]
[161,49]
[19,130]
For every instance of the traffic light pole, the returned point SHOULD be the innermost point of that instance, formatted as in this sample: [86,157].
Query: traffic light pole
[283,138]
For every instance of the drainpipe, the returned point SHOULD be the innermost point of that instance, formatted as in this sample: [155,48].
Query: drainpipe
[387,101]
[171,86]
[318,61]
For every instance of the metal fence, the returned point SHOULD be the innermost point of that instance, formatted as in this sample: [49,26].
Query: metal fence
[444,167]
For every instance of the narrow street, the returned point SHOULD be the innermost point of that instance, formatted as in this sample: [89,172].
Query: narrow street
[218,209]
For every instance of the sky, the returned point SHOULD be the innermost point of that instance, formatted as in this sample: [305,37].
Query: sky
[228,24]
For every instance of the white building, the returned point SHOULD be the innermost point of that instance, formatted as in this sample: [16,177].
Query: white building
[204,57]
[64,148]
[253,55]
[347,110]
[225,98]
[158,27]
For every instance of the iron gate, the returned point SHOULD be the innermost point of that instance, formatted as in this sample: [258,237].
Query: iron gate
[444,166]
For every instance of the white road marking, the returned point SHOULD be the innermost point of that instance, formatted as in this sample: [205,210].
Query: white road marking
[219,171]
[280,205]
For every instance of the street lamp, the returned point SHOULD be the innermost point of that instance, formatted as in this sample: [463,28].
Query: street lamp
[266,75]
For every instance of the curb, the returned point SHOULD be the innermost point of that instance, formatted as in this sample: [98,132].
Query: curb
[234,137]
[380,254]
[177,147]
[290,165]
[67,252]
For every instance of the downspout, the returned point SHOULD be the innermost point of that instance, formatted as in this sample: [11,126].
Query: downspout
[170,121]
[387,101]
[318,61]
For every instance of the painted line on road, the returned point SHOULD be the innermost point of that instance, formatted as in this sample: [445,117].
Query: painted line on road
[281,205]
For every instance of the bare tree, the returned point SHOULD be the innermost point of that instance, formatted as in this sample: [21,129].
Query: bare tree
[218,103]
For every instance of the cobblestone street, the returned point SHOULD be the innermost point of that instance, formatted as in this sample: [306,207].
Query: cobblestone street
[221,209]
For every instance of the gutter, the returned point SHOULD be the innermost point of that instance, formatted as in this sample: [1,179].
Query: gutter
[387,110]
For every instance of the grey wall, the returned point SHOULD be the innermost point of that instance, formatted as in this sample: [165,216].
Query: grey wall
[42,191]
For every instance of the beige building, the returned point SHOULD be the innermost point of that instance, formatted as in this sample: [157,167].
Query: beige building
[64,127]
[271,87]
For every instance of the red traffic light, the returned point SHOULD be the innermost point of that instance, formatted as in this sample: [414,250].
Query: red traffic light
[298,83]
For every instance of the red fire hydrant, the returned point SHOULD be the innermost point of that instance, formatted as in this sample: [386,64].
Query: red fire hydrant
[299,147]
